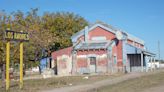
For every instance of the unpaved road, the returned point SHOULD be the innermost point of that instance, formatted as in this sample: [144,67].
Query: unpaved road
[93,86]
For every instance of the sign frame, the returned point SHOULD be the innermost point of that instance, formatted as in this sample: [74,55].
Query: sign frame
[16,36]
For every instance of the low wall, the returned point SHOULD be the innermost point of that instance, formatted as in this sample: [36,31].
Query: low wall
[137,69]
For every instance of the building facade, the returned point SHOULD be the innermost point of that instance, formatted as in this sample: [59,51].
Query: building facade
[101,48]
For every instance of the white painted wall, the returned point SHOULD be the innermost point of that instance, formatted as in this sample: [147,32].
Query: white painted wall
[153,65]
[161,65]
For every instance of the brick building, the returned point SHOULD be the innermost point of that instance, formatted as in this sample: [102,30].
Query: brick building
[101,48]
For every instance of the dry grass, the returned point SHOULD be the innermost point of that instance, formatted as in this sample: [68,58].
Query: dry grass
[135,85]
[40,84]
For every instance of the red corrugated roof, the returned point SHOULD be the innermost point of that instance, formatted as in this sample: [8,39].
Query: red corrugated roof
[65,51]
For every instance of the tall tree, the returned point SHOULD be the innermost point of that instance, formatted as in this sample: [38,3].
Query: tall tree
[63,25]
[51,31]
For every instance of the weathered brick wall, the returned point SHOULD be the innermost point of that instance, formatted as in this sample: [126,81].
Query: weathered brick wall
[64,65]
[119,54]
[102,63]
[116,50]
[83,62]
[98,31]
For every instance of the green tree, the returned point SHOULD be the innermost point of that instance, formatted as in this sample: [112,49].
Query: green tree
[51,31]
[63,25]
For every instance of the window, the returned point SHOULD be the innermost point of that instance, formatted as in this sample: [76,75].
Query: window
[92,60]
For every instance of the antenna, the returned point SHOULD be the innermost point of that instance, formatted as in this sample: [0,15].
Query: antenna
[159,50]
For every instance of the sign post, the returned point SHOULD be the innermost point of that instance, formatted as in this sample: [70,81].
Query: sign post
[21,65]
[18,37]
[7,65]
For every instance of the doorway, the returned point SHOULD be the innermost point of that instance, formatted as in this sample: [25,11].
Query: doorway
[92,64]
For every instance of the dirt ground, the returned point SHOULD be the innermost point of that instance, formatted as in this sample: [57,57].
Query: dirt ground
[94,86]
[36,83]
[151,82]
[155,89]
[133,82]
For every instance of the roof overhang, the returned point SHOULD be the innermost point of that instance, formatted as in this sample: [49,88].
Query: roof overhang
[92,45]
[148,53]
[130,49]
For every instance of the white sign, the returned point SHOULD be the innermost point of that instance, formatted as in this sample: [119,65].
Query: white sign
[119,35]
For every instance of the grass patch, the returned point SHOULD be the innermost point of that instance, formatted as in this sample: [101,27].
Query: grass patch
[135,85]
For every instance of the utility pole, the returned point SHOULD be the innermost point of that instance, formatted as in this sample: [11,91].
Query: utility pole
[159,50]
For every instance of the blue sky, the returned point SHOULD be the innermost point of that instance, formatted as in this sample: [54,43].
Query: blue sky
[142,18]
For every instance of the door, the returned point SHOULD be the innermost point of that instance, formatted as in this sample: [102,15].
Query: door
[92,64]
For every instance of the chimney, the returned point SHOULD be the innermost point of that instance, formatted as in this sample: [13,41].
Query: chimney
[86,34]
